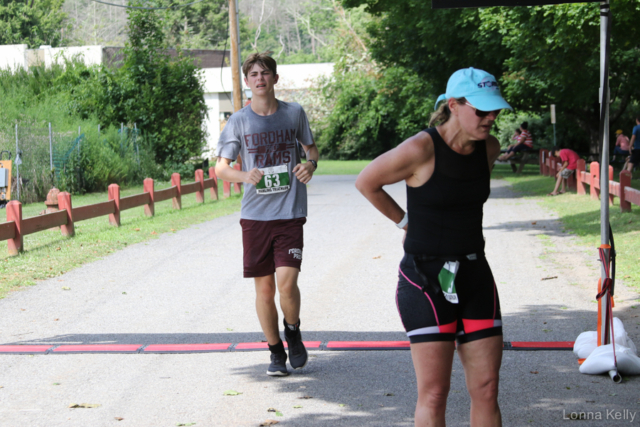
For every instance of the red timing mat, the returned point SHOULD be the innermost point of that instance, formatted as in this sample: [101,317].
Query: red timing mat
[253,346]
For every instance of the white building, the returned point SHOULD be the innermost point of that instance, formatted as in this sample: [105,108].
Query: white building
[294,78]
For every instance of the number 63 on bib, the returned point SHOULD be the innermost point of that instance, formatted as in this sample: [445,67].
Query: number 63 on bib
[274,180]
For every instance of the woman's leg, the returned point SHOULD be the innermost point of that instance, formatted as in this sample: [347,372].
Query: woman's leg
[432,362]
[481,360]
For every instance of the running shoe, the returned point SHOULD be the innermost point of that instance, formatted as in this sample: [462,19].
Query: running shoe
[278,366]
[297,353]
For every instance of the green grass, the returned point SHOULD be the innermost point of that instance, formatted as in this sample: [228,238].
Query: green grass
[341,167]
[48,254]
[581,216]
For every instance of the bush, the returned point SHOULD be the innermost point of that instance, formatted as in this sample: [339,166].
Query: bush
[100,160]
[165,97]
[369,111]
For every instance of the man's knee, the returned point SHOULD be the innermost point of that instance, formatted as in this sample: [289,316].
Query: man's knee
[265,289]
[288,288]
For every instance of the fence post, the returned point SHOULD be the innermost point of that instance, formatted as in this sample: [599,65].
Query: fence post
[226,189]
[572,181]
[149,209]
[17,165]
[625,181]
[552,167]
[200,192]
[594,170]
[114,194]
[579,183]
[175,181]
[14,213]
[213,190]
[50,147]
[611,195]
[237,186]
[64,202]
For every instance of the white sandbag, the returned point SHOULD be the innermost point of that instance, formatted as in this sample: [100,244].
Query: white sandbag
[585,344]
[600,361]
[621,336]
[588,341]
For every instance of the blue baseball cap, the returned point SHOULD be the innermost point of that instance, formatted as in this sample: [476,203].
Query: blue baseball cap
[476,86]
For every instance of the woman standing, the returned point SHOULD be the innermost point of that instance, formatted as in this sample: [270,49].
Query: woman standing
[446,291]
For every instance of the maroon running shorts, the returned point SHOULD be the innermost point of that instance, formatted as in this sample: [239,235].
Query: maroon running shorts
[271,244]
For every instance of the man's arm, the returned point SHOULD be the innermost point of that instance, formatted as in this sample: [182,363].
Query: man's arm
[225,172]
[564,166]
[633,139]
[304,171]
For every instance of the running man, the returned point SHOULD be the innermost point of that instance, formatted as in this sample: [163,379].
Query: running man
[274,205]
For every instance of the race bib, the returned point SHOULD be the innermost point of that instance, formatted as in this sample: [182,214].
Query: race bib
[447,279]
[274,180]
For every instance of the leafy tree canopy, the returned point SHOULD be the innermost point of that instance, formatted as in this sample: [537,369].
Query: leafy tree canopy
[542,54]
[31,22]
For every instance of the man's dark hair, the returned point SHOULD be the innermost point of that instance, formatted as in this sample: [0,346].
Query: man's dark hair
[524,125]
[555,149]
[263,59]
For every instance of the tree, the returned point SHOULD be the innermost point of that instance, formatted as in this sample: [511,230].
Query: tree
[295,30]
[365,109]
[163,96]
[542,54]
[33,22]
[199,26]
[92,23]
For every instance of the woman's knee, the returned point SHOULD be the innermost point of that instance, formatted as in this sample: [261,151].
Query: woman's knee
[433,397]
[484,389]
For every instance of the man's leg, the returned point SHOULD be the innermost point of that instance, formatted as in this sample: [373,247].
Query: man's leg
[268,316]
[555,190]
[287,278]
[266,308]
[629,166]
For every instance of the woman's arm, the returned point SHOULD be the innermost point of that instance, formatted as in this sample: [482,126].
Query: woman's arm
[493,150]
[410,161]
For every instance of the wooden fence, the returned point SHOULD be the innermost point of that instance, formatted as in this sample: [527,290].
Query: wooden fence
[17,227]
[550,165]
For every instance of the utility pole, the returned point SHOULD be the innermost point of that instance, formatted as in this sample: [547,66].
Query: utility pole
[235,54]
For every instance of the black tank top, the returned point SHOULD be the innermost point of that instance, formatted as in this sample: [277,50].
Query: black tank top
[445,213]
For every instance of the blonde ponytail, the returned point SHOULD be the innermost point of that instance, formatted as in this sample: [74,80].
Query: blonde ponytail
[443,113]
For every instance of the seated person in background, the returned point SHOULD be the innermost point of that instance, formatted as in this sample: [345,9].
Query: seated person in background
[622,145]
[525,142]
[634,145]
[516,136]
[569,164]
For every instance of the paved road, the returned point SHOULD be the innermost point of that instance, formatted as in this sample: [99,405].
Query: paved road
[186,287]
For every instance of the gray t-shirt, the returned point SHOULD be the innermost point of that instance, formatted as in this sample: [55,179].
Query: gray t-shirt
[266,142]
